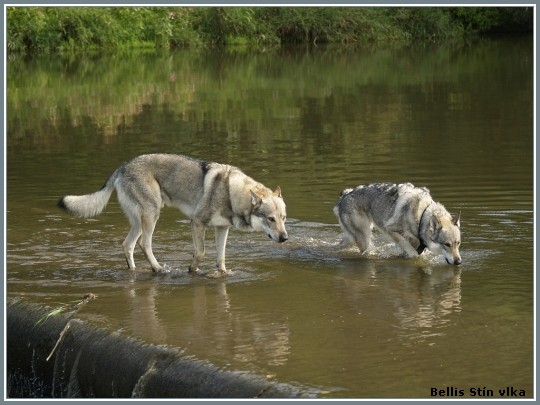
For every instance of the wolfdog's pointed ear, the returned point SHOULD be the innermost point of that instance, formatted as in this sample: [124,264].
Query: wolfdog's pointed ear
[256,201]
[277,192]
[434,223]
[455,220]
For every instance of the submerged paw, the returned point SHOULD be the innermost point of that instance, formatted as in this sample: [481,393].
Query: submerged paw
[218,274]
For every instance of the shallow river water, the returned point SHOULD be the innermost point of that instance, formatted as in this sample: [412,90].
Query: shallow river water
[456,119]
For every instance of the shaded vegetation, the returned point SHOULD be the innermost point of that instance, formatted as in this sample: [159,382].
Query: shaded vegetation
[62,29]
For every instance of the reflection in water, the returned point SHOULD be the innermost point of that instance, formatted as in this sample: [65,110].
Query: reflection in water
[457,119]
[144,319]
[212,324]
[420,299]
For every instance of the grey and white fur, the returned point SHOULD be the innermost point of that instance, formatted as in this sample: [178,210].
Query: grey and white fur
[210,194]
[406,213]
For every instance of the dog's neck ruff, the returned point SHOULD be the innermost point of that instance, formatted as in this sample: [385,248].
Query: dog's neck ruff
[422,246]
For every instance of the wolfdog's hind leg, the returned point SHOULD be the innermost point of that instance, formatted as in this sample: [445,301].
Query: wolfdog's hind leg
[362,235]
[362,241]
[357,229]
[148,226]
[129,243]
[197,232]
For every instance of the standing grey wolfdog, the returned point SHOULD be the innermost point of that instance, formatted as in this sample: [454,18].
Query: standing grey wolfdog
[210,194]
[406,213]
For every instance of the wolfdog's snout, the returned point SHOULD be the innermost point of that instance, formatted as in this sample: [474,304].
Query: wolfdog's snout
[281,238]
[456,262]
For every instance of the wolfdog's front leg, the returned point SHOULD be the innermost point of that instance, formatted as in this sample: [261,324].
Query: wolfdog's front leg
[221,240]
[405,243]
[197,232]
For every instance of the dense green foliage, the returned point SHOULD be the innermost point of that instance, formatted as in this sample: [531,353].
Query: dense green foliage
[76,28]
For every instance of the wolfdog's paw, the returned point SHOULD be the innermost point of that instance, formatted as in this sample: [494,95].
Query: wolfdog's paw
[343,244]
[195,272]
[218,274]
[163,269]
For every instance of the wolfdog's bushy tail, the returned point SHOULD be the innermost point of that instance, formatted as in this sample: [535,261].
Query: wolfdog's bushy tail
[90,205]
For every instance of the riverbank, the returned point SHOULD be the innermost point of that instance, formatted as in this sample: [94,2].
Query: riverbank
[69,29]
[64,357]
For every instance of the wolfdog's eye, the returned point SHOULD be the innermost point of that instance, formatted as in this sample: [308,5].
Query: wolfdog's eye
[448,244]
[271,219]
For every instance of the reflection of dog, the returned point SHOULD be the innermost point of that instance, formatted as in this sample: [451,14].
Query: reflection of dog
[406,213]
[211,194]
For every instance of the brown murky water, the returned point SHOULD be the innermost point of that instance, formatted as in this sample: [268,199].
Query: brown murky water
[457,119]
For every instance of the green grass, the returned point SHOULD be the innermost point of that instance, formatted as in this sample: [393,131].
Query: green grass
[68,29]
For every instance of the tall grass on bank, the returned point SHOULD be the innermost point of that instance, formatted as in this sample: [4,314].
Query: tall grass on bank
[62,29]
[71,28]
